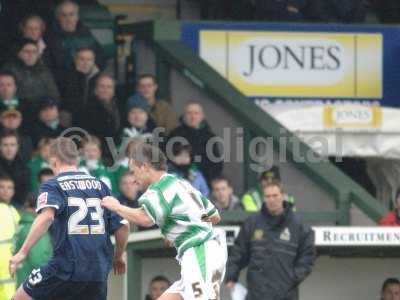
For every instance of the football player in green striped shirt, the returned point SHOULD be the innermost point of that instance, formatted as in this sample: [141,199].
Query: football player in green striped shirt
[185,218]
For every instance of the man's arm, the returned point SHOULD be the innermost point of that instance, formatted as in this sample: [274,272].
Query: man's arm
[137,216]
[121,239]
[305,256]
[39,227]
[239,256]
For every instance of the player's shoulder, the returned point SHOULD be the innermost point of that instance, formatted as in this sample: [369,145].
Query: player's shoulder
[164,183]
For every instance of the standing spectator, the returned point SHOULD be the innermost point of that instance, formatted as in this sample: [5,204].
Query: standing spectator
[195,129]
[33,27]
[393,217]
[8,91]
[158,285]
[160,110]
[41,252]
[39,162]
[390,289]
[277,248]
[102,117]
[9,221]
[253,199]
[222,195]
[182,166]
[11,119]
[279,10]
[92,163]
[67,36]
[13,166]
[140,124]
[48,123]
[130,190]
[34,79]
[78,84]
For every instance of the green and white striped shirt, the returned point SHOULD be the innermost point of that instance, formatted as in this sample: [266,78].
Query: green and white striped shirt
[177,208]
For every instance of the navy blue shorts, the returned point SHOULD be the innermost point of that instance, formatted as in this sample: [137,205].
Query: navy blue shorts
[42,285]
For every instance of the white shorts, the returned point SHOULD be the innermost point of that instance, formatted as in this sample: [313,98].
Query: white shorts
[202,271]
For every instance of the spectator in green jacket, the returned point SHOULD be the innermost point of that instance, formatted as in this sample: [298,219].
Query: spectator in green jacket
[92,162]
[41,253]
[39,162]
[253,199]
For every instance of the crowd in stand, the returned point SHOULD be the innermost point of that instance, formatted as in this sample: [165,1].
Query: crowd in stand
[337,11]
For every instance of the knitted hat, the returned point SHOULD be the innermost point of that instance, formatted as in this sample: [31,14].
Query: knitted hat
[46,102]
[138,101]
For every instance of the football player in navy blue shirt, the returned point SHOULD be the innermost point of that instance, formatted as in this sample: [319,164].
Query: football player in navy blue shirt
[69,207]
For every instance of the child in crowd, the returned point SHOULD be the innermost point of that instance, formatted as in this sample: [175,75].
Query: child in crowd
[39,162]
[181,165]
[9,221]
[92,163]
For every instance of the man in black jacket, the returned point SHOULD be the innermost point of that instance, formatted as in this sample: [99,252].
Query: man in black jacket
[195,129]
[276,247]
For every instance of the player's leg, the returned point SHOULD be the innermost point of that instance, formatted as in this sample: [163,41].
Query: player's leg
[20,294]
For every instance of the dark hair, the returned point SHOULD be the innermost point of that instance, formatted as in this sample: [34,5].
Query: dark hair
[45,172]
[8,74]
[145,153]
[178,148]
[146,75]
[5,177]
[5,133]
[274,183]
[65,150]
[160,278]
[221,178]
[85,49]
[389,281]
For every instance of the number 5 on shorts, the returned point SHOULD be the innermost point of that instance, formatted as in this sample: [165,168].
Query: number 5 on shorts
[197,290]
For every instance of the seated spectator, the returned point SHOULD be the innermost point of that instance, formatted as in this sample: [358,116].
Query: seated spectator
[34,79]
[33,27]
[157,287]
[41,253]
[393,217]
[48,123]
[390,289]
[140,124]
[129,189]
[67,36]
[92,163]
[195,129]
[278,10]
[13,166]
[8,91]
[78,84]
[11,119]
[181,165]
[222,195]
[39,162]
[45,175]
[102,117]
[9,218]
[253,199]
[160,111]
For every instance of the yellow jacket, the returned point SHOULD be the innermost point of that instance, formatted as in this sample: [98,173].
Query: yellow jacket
[9,219]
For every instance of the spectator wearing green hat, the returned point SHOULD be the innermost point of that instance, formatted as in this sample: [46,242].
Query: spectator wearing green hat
[253,199]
